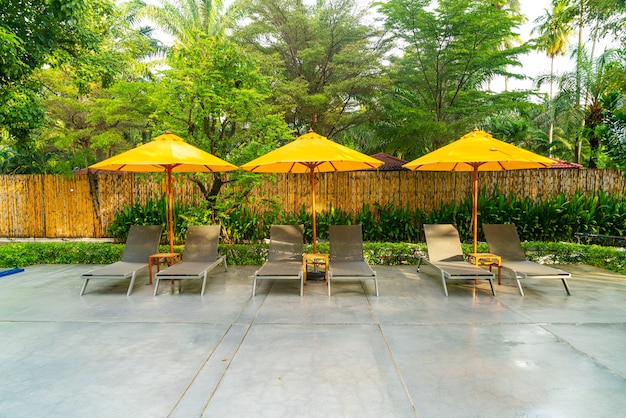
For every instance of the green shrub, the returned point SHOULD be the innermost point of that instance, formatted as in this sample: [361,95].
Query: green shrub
[26,254]
[154,212]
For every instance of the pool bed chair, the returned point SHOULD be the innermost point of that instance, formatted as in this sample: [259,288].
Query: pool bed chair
[446,255]
[199,257]
[504,241]
[284,261]
[346,261]
[142,242]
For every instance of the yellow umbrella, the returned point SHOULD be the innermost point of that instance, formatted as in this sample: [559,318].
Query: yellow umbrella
[166,153]
[309,153]
[478,151]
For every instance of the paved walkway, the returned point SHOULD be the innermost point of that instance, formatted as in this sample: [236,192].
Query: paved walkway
[410,352]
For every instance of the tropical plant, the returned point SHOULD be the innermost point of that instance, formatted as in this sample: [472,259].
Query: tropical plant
[186,21]
[555,218]
[512,7]
[587,120]
[554,29]
[615,139]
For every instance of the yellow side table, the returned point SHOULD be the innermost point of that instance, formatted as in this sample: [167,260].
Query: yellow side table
[486,259]
[161,258]
[315,260]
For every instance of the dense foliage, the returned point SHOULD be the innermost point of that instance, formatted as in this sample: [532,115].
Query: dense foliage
[451,52]
[82,80]
[550,219]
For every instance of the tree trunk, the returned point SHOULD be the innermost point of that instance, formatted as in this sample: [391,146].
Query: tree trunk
[551,130]
[210,194]
[581,26]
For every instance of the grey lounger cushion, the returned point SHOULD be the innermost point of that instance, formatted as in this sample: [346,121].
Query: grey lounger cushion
[142,242]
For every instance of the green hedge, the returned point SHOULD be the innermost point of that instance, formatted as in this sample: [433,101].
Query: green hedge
[26,254]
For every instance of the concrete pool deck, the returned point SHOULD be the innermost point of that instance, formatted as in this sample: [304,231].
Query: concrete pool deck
[410,352]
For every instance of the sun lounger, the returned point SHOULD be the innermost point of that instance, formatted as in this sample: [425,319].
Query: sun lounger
[142,242]
[199,257]
[446,255]
[504,241]
[284,261]
[346,261]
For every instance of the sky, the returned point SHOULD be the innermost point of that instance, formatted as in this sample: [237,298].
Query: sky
[537,63]
[534,63]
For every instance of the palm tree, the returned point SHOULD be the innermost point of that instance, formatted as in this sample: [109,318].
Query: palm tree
[554,29]
[513,8]
[185,20]
[591,80]
[602,17]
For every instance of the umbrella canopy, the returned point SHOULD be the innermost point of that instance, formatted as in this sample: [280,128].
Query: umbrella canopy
[478,151]
[309,153]
[166,153]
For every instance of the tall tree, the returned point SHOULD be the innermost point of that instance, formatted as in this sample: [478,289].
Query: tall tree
[215,95]
[512,7]
[554,29]
[324,58]
[96,104]
[34,34]
[449,53]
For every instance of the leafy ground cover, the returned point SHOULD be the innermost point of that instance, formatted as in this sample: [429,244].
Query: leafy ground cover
[26,254]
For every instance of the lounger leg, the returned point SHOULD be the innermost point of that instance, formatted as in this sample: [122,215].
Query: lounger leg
[493,291]
[376,285]
[566,286]
[132,283]
[330,279]
[82,291]
[443,281]
[301,284]
[203,284]
[254,286]
[156,285]
[519,286]
[225,265]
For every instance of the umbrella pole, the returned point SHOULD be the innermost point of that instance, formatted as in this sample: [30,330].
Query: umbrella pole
[169,209]
[475,205]
[312,176]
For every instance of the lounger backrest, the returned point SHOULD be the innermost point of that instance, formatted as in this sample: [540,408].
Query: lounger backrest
[286,243]
[504,241]
[142,242]
[346,242]
[201,243]
[443,243]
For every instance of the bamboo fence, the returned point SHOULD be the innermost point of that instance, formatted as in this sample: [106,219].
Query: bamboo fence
[83,205]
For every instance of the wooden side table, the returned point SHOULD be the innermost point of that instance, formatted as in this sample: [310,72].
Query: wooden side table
[161,258]
[315,260]
[486,259]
